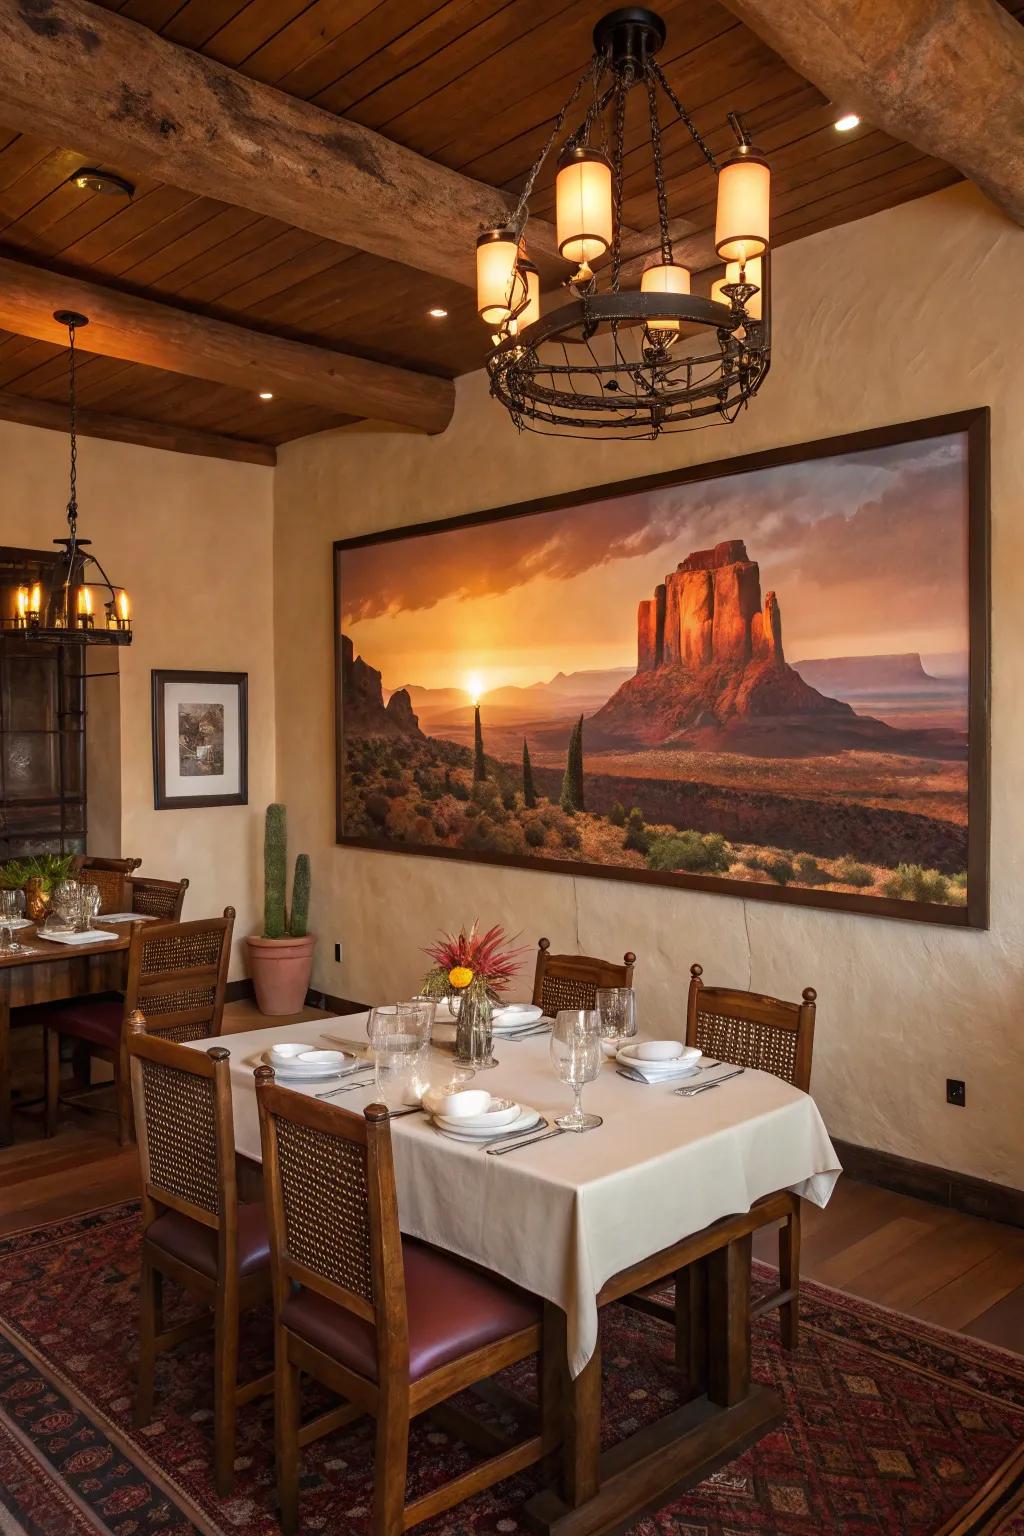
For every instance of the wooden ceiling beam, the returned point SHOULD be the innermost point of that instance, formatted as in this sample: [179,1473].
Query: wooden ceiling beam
[161,336]
[944,75]
[125,429]
[82,75]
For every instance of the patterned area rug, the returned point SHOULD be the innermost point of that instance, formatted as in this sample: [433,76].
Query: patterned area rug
[893,1428]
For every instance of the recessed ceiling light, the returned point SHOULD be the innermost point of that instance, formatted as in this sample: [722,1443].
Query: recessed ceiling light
[89,180]
[844,124]
[438,313]
[266,394]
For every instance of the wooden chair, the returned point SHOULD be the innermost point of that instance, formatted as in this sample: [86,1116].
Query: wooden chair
[570,981]
[109,875]
[177,973]
[194,1230]
[157,898]
[391,1325]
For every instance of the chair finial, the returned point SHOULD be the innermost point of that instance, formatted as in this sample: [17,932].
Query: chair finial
[376,1112]
[696,971]
[136,1022]
[544,945]
[264,1076]
[809,995]
[218,1053]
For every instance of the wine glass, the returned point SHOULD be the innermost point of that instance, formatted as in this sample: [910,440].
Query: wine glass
[576,1056]
[617,1007]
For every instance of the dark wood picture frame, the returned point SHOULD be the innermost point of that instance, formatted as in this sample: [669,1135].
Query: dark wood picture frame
[161,800]
[975,425]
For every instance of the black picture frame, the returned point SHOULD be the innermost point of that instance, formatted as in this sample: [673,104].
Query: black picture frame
[162,800]
[975,425]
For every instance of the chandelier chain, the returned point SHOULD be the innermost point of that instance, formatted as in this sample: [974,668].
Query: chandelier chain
[521,213]
[659,171]
[73,407]
[684,116]
[618,148]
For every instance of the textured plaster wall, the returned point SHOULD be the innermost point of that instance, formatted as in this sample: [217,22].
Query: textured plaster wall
[902,315]
[191,539]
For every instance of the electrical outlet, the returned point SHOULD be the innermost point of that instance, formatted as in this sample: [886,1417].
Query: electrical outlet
[956,1092]
[337,953]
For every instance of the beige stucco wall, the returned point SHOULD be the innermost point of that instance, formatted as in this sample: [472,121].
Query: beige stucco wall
[191,540]
[903,315]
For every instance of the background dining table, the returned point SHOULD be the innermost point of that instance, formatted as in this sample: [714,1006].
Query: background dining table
[45,972]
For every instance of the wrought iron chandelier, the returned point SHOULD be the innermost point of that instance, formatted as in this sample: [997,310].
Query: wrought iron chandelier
[62,603]
[611,362]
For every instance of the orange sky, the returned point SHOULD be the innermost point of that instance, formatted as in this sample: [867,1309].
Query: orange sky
[866,553]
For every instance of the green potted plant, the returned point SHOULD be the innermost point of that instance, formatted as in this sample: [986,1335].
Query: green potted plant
[36,876]
[281,957]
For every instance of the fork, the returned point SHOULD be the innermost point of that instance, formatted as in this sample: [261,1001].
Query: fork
[689,1093]
[525,1141]
[362,1081]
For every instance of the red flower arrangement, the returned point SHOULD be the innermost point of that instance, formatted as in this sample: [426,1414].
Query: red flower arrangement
[484,962]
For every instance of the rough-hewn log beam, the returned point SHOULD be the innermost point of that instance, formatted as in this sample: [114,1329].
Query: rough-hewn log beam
[124,429]
[73,72]
[143,331]
[944,75]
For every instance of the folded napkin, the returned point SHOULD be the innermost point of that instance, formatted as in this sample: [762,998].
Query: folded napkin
[95,936]
[126,917]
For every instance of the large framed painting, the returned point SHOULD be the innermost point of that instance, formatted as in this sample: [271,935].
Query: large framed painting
[200,739]
[765,677]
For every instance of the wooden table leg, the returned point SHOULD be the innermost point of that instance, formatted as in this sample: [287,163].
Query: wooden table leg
[580,1410]
[728,1314]
[6,1112]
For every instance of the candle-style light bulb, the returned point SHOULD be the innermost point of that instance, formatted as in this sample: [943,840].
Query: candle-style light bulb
[35,600]
[21,603]
[124,611]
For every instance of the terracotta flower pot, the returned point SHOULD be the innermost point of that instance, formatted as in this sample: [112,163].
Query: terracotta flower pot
[280,970]
[37,899]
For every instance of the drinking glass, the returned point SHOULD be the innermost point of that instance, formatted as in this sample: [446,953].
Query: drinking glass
[400,1039]
[617,1007]
[65,903]
[576,1056]
[12,905]
[88,907]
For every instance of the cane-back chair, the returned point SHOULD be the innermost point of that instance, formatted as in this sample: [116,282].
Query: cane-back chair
[177,973]
[751,1030]
[571,981]
[157,898]
[194,1230]
[393,1326]
[110,876]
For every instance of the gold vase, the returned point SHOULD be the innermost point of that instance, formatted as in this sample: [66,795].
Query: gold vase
[37,900]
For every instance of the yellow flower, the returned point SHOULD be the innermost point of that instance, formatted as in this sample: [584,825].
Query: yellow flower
[460,976]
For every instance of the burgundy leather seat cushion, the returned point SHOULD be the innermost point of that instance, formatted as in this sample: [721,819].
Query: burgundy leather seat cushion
[452,1310]
[97,1019]
[196,1245]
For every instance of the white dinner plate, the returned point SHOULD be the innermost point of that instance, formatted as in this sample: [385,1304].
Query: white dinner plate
[528,1118]
[687,1060]
[516,1016]
[296,1074]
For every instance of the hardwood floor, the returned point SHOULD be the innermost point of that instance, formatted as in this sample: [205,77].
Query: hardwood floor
[960,1272]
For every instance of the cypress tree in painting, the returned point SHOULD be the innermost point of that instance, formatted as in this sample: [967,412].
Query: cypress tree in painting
[572,784]
[479,761]
[529,793]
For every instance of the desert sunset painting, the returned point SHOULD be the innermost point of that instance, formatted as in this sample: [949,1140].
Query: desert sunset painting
[758,677]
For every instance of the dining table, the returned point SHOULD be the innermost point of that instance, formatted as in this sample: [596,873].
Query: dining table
[42,970]
[665,1184]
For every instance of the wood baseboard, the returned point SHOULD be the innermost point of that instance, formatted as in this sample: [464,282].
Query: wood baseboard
[239,991]
[242,991]
[940,1186]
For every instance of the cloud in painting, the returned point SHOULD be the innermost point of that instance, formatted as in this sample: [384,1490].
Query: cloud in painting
[820,525]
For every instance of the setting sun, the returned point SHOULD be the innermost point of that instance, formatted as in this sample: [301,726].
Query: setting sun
[474,686]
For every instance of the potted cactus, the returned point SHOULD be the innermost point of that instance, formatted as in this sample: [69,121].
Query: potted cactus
[281,957]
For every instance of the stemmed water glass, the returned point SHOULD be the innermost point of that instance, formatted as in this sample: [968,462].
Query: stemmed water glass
[576,1057]
[617,1007]
[12,907]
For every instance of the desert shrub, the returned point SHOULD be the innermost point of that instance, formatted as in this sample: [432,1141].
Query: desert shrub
[778,869]
[569,834]
[637,836]
[550,815]
[692,851]
[440,828]
[459,790]
[617,814]
[377,808]
[959,881]
[486,835]
[487,796]
[849,872]
[508,799]
[534,834]
[393,788]
[423,809]
[809,871]
[472,810]
[913,883]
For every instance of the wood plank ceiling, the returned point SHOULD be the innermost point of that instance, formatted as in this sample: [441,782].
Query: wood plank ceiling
[472,84]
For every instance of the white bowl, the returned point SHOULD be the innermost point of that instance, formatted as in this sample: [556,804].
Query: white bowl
[288,1052]
[658,1050]
[460,1104]
[322,1061]
[500,1112]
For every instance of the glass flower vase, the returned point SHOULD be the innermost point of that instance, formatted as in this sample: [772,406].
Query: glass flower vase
[473,1031]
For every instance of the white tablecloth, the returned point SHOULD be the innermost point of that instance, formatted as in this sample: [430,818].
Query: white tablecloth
[562,1217]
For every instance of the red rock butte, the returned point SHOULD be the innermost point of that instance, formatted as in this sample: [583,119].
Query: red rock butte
[708,610]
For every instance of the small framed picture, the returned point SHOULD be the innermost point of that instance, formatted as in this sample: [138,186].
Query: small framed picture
[200,739]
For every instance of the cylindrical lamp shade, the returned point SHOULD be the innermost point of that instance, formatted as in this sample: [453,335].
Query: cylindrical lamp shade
[583,204]
[752,275]
[741,226]
[499,287]
[666,278]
